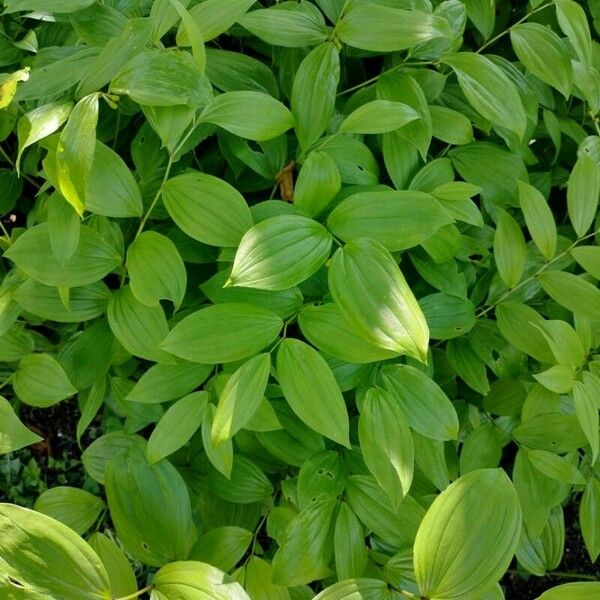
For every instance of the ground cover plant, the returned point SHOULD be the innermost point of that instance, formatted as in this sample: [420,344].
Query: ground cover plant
[298,299]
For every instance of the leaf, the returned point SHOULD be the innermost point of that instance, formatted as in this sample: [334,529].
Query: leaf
[63,228]
[177,426]
[378,116]
[539,219]
[553,432]
[458,524]
[572,292]
[60,6]
[75,151]
[396,219]
[450,126]
[244,483]
[139,328]
[324,327]
[489,90]
[582,193]
[222,547]
[572,591]
[223,333]
[9,84]
[280,252]
[589,518]
[221,456]
[207,208]
[163,78]
[349,544]
[192,580]
[41,381]
[156,270]
[214,18]
[427,408]
[258,581]
[555,467]
[318,183]
[13,434]
[112,190]
[241,397]
[573,22]
[543,54]
[386,444]
[92,260]
[586,410]
[307,546]
[249,114]
[509,249]
[39,123]
[314,93]
[389,317]
[288,24]
[447,316]
[365,589]
[311,390]
[120,573]
[387,29]
[63,565]
[589,258]
[483,15]
[72,506]
[150,508]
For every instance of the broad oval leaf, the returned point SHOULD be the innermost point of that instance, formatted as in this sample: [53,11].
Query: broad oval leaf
[62,566]
[572,591]
[573,292]
[223,333]
[311,390]
[378,116]
[280,252]
[363,589]
[458,528]
[389,315]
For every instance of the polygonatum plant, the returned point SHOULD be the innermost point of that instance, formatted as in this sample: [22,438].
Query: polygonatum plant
[321,279]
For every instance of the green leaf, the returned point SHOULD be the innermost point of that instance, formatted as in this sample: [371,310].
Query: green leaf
[378,116]
[459,525]
[222,547]
[450,126]
[307,546]
[241,397]
[572,591]
[365,589]
[426,406]
[311,390]
[289,24]
[150,508]
[41,381]
[396,219]
[586,408]
[509,249]
[120,573]
[467,364]
[483,15]
[314,93]
[9,84]
[62,566]
[112,190]
[223,333]
[589,258]
[318,183]
[321,478]
[539,219]
[214,17]
[555,467]
[156,270]
[582,193]
[386,444]
[162,383]
[139,328]
[573,22]
[258,582]
[72,506]
[389,317]
[191,580]
[163,78]
[251,115]
[221,456]
[208,209]
[39,123]
[280,252]
[447,316]
[60,6]
[543,54]
[589,518]
[245,483]
[573,292]
[553,432]
[324,327]
[177,426]
[489,90]
[13,434]
[63,229]
[349,544]
[383,28]
[92,260]
[75,152]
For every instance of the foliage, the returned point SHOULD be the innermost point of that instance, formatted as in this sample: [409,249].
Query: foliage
[325,276]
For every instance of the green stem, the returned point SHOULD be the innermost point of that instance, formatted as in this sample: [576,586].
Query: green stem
[6,381]
[571,575]
[4,232]
[137,594]
[503,33]
[529,279]
[11,162]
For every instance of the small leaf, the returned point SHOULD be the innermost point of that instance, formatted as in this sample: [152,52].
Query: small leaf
[555,467]
[13,434]
[589,258]
[585,401]
[378,116]
[509,249]
[539,219]
[589,518]
[317,184]
[582,193]
[573,22]
[63,229]
[349,543]
[572,591]
[573,292]
[222,547]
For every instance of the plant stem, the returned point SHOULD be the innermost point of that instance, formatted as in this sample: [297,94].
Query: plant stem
[503,33]
[6,381]
[137,594]
[4,232]
[564,574]
[527,280]
[11,162]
